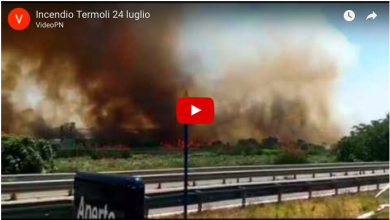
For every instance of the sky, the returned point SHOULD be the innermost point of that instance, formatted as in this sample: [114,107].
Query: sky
[364,89]
[222,34]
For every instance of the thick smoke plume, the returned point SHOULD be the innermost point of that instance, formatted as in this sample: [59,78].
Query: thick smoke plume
[114,74]
[270,73]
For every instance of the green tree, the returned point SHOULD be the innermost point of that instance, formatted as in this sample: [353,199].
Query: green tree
[366,142]
[20,154]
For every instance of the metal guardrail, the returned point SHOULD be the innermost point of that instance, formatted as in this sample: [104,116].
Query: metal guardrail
[14,188]
[200,195]
[59,176]
[205,194]
[177,177]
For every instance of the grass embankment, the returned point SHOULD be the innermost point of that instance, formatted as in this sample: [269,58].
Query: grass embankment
[343,206]
[150,161]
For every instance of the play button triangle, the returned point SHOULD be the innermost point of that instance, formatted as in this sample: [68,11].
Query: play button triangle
[194,110]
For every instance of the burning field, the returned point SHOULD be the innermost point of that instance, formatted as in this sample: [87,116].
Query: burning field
[266,79]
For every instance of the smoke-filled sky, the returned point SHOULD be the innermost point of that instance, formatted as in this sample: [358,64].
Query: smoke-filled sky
[286,70]
[364,89]
[360,48]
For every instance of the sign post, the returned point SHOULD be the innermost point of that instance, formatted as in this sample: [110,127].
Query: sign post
[185,197]
[185,117]
[185,169]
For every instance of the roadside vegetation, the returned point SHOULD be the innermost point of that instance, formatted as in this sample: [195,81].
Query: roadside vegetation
[366,142]
[22,154]
[335,207]
[149,161]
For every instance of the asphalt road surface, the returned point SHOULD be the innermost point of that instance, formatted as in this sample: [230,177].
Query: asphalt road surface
[256,200]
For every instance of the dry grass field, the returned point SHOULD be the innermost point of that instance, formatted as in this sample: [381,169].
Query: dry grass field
[342,206]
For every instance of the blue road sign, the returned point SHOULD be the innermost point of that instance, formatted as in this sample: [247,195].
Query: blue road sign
[102,196]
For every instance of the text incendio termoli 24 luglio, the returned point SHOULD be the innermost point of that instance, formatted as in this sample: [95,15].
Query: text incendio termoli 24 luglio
[116,14]
[136,15]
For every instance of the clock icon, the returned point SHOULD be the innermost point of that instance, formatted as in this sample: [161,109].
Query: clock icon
[349,15]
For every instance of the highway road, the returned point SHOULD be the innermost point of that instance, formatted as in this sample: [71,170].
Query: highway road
[257,200]
[175,185]
[161,212]
[209,184]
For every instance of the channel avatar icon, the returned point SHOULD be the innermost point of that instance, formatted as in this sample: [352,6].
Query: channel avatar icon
[18,19]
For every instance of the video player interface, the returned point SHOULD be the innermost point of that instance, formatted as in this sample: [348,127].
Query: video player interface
[125,87]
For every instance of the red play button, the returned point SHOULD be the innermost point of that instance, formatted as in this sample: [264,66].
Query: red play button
[195,110]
